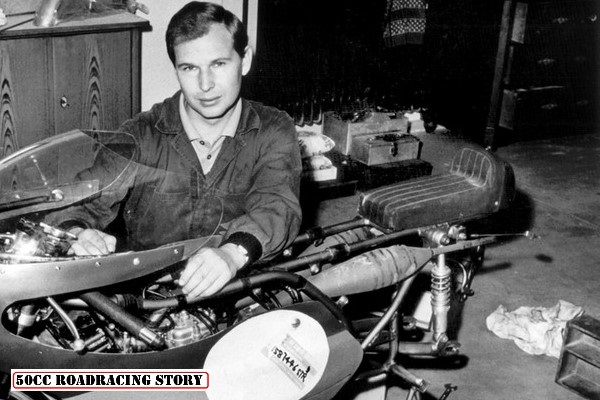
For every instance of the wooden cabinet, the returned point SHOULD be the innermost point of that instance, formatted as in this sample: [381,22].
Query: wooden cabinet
[78,74]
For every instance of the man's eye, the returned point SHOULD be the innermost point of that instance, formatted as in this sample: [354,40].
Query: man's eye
[188,68]
[219,63]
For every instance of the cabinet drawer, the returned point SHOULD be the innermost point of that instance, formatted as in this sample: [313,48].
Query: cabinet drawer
[537,66]
[536,107]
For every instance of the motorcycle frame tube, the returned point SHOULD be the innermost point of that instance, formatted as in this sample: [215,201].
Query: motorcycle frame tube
[336,252]
[390,312]
[319,233]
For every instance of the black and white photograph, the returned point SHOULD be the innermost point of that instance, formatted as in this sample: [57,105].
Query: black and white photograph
[299,200]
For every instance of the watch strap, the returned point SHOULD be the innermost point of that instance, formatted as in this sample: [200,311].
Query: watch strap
[248,243]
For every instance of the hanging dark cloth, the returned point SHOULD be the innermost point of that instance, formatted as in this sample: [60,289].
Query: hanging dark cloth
[404,22]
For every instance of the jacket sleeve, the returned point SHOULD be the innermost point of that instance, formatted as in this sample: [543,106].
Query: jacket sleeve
[272,215]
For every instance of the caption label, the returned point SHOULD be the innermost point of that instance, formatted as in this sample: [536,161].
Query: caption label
[109,379]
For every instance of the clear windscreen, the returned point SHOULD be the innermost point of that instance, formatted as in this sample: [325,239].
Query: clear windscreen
[62,172]
[46,175]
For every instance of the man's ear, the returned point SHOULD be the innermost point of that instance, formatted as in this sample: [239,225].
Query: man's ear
[247,60]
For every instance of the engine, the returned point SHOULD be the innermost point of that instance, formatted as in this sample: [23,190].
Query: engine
[70,323]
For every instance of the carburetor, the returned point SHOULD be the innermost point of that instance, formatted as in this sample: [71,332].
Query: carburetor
[188,329]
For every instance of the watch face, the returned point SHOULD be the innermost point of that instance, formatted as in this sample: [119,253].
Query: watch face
[243,252]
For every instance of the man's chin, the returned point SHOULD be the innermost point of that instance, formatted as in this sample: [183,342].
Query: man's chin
[212,114]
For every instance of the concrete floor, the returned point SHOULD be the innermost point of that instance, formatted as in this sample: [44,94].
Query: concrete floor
[558,182]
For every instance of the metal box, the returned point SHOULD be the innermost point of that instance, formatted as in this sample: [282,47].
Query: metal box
[385,148]
[342,132]
[579,364]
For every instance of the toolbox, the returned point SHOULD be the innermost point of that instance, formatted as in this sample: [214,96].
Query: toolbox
[342,132]
[353,176]
[382,148]
[579,364]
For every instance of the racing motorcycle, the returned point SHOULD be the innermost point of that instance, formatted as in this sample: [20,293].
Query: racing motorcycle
[296,327]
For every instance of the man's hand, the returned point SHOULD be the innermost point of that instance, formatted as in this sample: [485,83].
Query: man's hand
[209,270]
[92,242]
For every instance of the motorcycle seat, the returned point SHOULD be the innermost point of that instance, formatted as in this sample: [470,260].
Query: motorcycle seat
[478,183]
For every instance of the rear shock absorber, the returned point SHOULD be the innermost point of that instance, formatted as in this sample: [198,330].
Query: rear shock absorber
[440,285]
[440,298]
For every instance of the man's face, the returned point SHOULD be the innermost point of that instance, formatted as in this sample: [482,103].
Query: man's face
[210,73]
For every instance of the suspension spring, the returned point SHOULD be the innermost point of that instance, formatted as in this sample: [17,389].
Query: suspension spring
[440,297]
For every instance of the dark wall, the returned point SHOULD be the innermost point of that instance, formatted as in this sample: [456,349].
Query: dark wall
[330,54]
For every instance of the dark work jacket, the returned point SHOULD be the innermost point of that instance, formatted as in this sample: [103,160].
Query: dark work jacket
[165,196]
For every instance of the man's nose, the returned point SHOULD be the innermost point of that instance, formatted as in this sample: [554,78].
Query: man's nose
[207,81]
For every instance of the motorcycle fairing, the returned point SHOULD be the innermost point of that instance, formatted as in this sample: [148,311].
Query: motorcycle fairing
[79,274]
[345,353]
[281,354]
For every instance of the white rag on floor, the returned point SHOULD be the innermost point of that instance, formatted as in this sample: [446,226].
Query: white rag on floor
[536,330]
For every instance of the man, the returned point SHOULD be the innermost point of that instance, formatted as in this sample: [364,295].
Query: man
[234,154]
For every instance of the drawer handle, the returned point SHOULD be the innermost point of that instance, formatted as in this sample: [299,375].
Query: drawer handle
[549,106]
[64,102]
[546,61]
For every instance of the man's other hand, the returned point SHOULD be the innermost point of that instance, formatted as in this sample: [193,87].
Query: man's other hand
[92,242]
[209,270]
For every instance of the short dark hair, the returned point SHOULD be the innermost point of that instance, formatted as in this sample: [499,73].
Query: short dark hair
[195,19]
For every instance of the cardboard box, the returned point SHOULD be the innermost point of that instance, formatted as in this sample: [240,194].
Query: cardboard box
[385,148]
[343,132]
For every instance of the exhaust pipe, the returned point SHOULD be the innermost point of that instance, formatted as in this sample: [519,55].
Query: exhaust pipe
[372,270]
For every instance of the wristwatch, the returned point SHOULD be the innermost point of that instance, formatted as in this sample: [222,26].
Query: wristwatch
[242,250]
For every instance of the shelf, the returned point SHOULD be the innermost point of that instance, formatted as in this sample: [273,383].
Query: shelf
[22,25]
